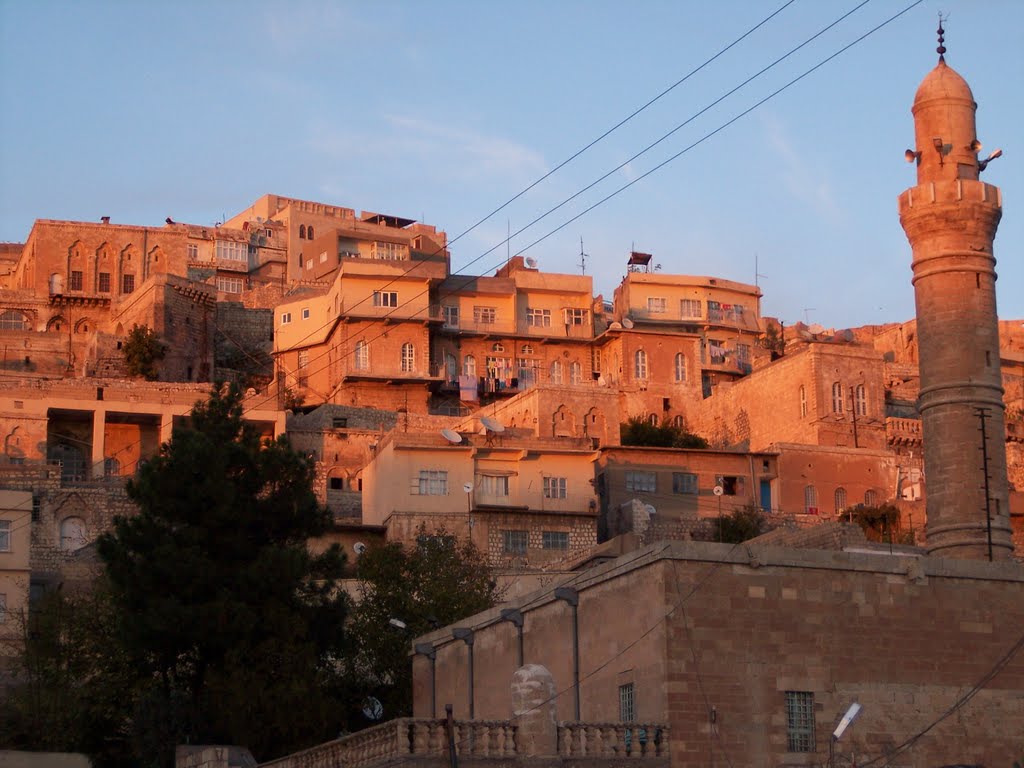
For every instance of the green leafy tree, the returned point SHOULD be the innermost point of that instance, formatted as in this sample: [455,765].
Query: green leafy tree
[142,351]
[434,583]
[880,523]
[639,431]
[233,628]
[738,526]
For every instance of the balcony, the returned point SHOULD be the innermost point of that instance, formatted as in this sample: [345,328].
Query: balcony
[355,310]
[393,374]
[577,504]
[422,741]
[903,431]
[498,328]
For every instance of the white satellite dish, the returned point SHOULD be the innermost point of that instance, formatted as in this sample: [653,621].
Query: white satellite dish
[451,436]
[467,487]
[492,425]
[614,325]
[359,547]
[372,708]
[531,262]
[627,323]
[649,509]
[718,490]
[602,381]
[816,329]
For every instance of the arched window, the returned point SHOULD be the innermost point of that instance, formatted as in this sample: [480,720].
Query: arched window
[860,400]
[499,347]
[111,467]
[362,356]
[309,232]
[803,401]
[840,500]
[73,534]
[680,367]
[408,356]
[556,372]
[575,373]
[12,320]
[811,500]
[640,364]
[679,422]
[652,419]
[870,498]
[469,365]
[837,397]
[302,231]
[451,367]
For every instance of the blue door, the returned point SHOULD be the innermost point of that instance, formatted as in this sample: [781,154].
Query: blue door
[766,495]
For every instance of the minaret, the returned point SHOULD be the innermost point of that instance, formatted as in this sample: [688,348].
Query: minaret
[950,219]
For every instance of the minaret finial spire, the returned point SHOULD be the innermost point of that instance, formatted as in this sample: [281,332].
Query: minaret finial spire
[941,50]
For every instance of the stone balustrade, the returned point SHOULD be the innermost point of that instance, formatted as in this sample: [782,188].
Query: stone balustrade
[903,431]
[407,738]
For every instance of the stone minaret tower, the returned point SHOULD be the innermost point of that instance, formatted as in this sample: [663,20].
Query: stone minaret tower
[950,219]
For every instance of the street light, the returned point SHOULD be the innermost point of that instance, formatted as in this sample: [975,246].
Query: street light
[515,616]
[851,714]
[572,597]
[466,635]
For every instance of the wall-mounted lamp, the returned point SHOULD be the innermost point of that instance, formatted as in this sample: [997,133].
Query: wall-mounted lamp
[515,616]
[942,148]
[983,164]
[571,596]
[912,156]
[427,649]
[466,635]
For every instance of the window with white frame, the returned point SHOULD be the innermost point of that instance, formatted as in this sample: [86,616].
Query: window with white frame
[538,318]
[860,401]
[554,540]
[361,356]
[408,356]
[286,317]
[595,359]
[554,487]
[497,347]
[627,703]
[232,251]
[680,367]
[837,397]
[515,542]
[840,497]
[192,251]
[684,483]
[493,485]
[870,498]
[229,284]
[385,298]
[469,365]
[389,251]
[743,353]
[12,320]
[556,372]
[498,367]
[485,315]
[451,315]
[803,401]
[5,535]
[657,305]
[575,372]
[690,309]
[526,371]
[323,257]
[305,313]
[800,721]
[811,500]
[574,316]
[640,364]
[640,482]
[433,482]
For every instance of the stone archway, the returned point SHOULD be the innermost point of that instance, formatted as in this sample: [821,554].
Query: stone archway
[563,422]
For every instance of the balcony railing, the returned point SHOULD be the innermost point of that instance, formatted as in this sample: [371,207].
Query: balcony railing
[575,503]
[375,371]
[602,744]
[903,431]
[401,312]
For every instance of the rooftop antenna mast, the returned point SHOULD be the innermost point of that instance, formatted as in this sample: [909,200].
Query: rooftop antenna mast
[807,311]
[508,241]
[583,258]
[757,275]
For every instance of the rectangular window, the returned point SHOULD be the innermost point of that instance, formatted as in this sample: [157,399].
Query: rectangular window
[389,251]
[336,484]
[627,710]
[485,315]
[385,298]
[309,263]
[800,721]
[491,485]
[554,487]
[515,542]
[192,250]
[574,316]
[684,482]
[595,359]
[303,359]
[76,280]
[640,482]
[743,353]
[656,305]
[555,539]
[339,422]
[451,316]
[229,284]
[433,482]
[538,318]
[323,257]
[127,283]
[232,251]
[690,309]
[5,535]
[305,313]
[104,282]
[286,317]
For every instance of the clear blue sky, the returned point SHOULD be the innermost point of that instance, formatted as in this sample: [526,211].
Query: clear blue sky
[442,111]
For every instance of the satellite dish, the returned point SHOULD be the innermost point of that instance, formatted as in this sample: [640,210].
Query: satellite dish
[614,326]
[649,509]
[492,424]
[359,548]
[718,490]
[372,708]
[451,436]
[816,329]
[602,381]
[531,262]
[627,323]
[467,487]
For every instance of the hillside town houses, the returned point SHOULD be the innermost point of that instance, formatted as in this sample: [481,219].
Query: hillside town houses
[490,406]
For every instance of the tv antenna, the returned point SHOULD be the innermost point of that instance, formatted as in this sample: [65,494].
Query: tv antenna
[807,311]
[583,258]
[757,274]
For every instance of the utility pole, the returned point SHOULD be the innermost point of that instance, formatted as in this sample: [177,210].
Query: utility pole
[853,410]
[983,416]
